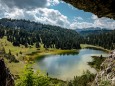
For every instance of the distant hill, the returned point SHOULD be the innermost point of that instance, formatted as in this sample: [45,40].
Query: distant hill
[92,30]
[28,33]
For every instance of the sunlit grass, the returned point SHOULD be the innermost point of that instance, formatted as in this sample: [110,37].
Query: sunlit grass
[15,68]
[95,47]
[15,49]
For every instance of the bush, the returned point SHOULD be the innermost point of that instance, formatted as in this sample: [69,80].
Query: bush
[31,79]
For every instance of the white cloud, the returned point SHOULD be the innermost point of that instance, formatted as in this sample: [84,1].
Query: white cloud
[97,22]
[28,4]
[54,17]
[16,13]
[104,22]
[51,16]
[80,25]
[24,4]
[43,15]
[94,17]
[53,2]
[78,18]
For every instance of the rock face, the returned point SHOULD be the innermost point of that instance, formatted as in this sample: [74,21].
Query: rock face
[6,79]
[106,75]
[101,8]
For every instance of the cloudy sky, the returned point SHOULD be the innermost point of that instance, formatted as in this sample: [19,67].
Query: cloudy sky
[52,12]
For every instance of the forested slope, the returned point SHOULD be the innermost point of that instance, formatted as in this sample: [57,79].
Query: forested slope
[105,39]
[28,33]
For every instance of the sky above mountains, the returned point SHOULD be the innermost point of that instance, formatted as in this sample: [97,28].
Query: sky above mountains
[52,12]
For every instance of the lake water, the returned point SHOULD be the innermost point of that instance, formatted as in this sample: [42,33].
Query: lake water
[67,66]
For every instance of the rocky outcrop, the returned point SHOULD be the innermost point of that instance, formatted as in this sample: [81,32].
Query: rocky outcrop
[6,78]
[101,8]
[106,75]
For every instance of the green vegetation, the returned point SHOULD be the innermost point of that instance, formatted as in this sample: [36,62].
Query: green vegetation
[24,54]
[105,39]
[16,49]
[29,33]
[85,80]
[31,78]
[92,30]
[25,40]
[36,53]
[94,47]
[36,78]
[105,83]
[97,61]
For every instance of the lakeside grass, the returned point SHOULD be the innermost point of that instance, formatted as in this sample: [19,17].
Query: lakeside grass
[94,47]
[41,53]
[33,51]
[97,61]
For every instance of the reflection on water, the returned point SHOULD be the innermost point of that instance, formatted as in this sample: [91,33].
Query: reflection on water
[65,66]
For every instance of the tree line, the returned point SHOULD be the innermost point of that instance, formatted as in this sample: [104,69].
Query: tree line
[105,39]
[28,33]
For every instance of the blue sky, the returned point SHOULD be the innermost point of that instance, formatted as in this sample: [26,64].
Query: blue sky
[52,12]
[72,12]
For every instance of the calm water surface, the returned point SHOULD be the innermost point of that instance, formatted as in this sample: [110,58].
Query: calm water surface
[65,67]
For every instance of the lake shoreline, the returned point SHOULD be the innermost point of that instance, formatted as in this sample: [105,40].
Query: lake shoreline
[42,53]
[97,61]
[70,62]
[87,46]
[33,53]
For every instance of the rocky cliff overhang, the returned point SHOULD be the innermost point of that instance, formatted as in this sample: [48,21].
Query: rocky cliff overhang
[6,78]
[101,8]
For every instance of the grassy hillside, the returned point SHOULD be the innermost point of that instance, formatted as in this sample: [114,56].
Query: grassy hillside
[8,45]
